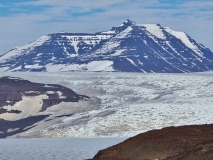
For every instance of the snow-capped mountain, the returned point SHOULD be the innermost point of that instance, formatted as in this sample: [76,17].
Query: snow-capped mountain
[129,47]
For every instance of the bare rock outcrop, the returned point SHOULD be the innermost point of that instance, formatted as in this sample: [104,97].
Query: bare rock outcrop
[171,143]
[24,103]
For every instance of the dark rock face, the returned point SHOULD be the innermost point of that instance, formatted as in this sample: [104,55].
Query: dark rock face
[129,47]
[12,91]
[172,143]
[9,128]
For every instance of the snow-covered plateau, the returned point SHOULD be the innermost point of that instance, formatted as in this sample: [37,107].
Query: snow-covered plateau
[130,103]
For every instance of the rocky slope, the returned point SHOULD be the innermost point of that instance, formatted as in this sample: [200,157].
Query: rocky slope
[23,104]
[129,47]
[172,143]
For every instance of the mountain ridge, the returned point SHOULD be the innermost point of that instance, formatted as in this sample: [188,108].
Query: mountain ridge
[24,104]
[129,47]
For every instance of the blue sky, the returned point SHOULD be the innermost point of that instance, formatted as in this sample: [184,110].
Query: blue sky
[22,21]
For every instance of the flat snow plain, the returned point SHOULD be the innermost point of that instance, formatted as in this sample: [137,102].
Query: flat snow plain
[131,103]
[54,148]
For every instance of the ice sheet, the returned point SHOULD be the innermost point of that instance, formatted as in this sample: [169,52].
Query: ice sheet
[131,103]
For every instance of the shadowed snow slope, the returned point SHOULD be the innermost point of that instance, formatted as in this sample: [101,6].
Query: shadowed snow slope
[129,47]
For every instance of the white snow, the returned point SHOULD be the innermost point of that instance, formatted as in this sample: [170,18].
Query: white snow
[183,37]
[60,95]
[16,78]
[175,51]
[118,52]
[50,92]
[131,61]
[25,49]
[100,66]
[3,69]
[131,103]
[145,42]
[108,32]
[91,66]
[88,39]
[74,42]
[140,62]
[76,50]
[39,54]
[154,30]
[110,45]
[31,92]
[124,33]
[26,107]
[48,86]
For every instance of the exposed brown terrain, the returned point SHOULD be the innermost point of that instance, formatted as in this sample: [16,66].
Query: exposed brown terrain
[172,143]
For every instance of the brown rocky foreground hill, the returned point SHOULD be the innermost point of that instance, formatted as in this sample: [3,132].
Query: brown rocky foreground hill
[172,143]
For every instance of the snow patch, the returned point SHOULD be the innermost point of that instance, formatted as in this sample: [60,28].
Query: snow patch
[91,66]
[88,39]
[184,38]
[131,61]
[100,66]
[154,30]
[118,52]
[124,33]
[28,106]
[50,92]
[24,49]
[108,46]
[108,32]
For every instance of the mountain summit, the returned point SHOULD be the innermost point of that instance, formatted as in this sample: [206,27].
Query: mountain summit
[128,22]
[129,47]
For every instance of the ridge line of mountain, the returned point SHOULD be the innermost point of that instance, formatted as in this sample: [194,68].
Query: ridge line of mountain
[129,47]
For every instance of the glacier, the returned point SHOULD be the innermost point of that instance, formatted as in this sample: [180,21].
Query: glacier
[129,103]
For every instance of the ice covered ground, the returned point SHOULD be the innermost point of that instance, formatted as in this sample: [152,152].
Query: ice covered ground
[131,103]
[54,149]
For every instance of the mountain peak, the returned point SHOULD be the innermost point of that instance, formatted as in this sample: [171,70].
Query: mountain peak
[128,22]
[129,47]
